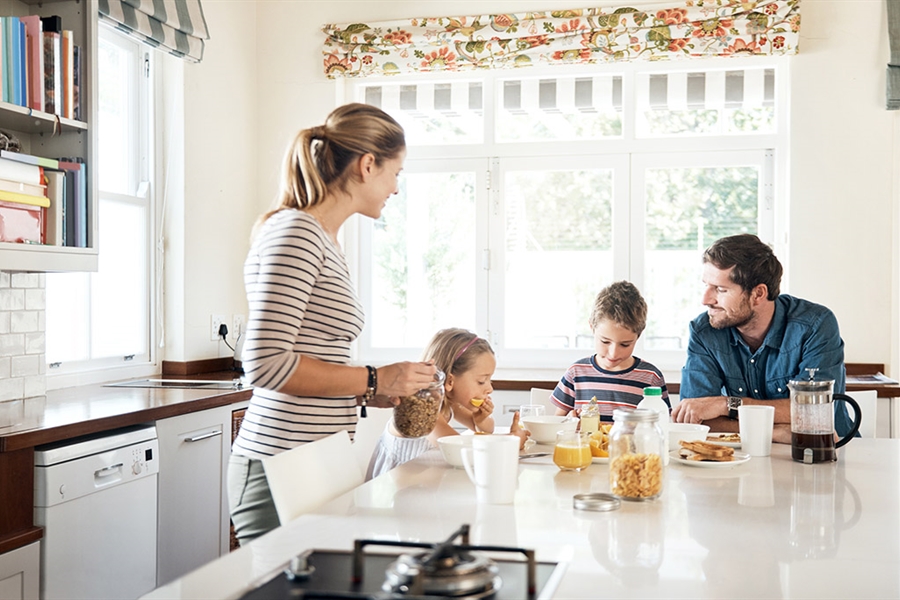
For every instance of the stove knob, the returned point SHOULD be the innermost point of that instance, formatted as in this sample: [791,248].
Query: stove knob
[300,567]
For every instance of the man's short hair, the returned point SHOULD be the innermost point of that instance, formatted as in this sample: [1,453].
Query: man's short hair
[753,261]
[621,303]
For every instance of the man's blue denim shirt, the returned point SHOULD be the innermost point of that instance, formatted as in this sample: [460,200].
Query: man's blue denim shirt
[803,335]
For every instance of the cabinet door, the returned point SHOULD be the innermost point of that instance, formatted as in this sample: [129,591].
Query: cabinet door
[193,507]
[20,573]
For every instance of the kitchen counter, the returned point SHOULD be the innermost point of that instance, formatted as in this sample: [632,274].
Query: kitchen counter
[769,528]
[69,413]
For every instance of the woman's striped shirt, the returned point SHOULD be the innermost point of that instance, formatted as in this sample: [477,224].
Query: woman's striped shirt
[613,389]
[301,303]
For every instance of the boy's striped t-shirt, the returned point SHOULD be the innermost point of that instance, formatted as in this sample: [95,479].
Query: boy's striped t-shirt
[613,389]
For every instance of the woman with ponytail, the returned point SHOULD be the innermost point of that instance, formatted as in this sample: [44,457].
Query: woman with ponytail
[303,310]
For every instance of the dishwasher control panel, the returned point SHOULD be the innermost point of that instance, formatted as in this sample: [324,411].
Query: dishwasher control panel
[70,471]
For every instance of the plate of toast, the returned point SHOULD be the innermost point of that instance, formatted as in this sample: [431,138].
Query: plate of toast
[707,454]
[732,440]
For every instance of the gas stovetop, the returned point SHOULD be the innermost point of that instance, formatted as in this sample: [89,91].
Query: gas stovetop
[424,571]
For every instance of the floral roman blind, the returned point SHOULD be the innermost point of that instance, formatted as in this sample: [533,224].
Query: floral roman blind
[696,28]
[176,26]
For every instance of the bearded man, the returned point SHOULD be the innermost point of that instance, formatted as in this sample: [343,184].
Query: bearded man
[752,340]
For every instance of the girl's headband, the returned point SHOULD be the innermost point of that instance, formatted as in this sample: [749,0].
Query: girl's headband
[464,348]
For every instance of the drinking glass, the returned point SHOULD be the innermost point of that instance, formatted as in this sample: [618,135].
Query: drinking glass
[572,451]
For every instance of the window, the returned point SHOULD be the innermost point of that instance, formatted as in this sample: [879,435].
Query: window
[102,320]
[525,192]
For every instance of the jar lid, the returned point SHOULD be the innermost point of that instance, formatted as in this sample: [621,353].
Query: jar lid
[598,502]
[638,415]
[652,391]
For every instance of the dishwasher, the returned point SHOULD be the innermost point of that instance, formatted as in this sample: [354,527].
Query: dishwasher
[96,500]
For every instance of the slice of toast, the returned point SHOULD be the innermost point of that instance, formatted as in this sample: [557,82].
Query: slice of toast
[691,455]
[708,449]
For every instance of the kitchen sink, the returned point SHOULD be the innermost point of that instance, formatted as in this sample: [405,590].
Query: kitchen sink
[204,384]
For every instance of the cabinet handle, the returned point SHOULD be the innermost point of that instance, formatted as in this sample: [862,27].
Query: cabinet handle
[203,436]
[106,471]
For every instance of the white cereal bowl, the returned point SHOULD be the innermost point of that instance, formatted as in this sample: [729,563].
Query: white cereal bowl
[451,448]
[544,429]
[689,432]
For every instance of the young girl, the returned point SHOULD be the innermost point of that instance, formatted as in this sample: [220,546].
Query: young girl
[468,363]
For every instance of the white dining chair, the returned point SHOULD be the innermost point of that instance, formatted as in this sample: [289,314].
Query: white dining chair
[308,476]
[368,432]
[868,404]
[542,396]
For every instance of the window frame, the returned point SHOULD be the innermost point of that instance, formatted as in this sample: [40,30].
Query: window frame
[95,370]
[774,203]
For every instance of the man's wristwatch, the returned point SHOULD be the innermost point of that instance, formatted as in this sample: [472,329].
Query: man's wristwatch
[733,403]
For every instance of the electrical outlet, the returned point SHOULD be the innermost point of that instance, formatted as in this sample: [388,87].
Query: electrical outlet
[237,326]
[214,322]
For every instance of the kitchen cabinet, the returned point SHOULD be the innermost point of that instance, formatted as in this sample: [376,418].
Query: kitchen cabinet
[194,523]
[48,136]
[20,573]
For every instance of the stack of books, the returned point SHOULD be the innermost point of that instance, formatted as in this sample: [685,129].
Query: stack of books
[43,200]
[40,66]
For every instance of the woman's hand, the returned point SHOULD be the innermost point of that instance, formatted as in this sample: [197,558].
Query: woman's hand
[404,378]
[517,430]
[380,401]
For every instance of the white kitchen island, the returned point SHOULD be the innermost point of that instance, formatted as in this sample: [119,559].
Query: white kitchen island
[769,528]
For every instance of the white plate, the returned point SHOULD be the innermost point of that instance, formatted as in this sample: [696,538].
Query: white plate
[739,458]
[712,438]
[602,460]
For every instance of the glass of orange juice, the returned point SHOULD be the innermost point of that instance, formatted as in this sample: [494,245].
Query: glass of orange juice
[572,451]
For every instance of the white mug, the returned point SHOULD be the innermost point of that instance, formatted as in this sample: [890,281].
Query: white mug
[492,464]
[756,423]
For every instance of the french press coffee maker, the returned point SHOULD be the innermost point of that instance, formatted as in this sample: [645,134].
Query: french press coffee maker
[812,419]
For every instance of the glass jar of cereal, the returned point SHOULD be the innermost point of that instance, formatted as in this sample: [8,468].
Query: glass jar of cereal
[416,415]
[636,446]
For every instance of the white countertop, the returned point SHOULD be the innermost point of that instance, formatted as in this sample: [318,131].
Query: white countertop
[769,528]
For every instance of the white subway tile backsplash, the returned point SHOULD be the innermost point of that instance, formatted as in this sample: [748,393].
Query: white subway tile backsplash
[23,341]
[23,321]
[35,299]
[12,299]
[24,280]
[12,388]
[21,366]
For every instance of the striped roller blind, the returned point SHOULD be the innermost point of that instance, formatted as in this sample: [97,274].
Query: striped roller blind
[893,69]
[177,26]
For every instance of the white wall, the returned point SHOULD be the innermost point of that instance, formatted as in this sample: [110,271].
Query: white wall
[262,80]
[220,123]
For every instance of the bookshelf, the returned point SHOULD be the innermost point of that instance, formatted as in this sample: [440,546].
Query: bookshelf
[46,135]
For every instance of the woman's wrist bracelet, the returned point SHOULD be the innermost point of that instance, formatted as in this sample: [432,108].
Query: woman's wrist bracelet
[371,386]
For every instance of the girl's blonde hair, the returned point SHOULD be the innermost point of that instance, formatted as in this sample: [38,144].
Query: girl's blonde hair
[318,161]
[454,352]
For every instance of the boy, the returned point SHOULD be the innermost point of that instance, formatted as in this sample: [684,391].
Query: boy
[613,375]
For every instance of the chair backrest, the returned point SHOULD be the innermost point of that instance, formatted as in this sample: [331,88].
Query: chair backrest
[308,476]
[868,404]
[368,432]
[542,396]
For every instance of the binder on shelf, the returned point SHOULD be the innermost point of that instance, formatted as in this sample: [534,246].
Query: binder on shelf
[34,32]
[15,170]
[21,223]
[75,206]
[76,83]
[23,188]
[55,222]
[7,58]
[52,64]
[20,198]
[28,159]
[68,79]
